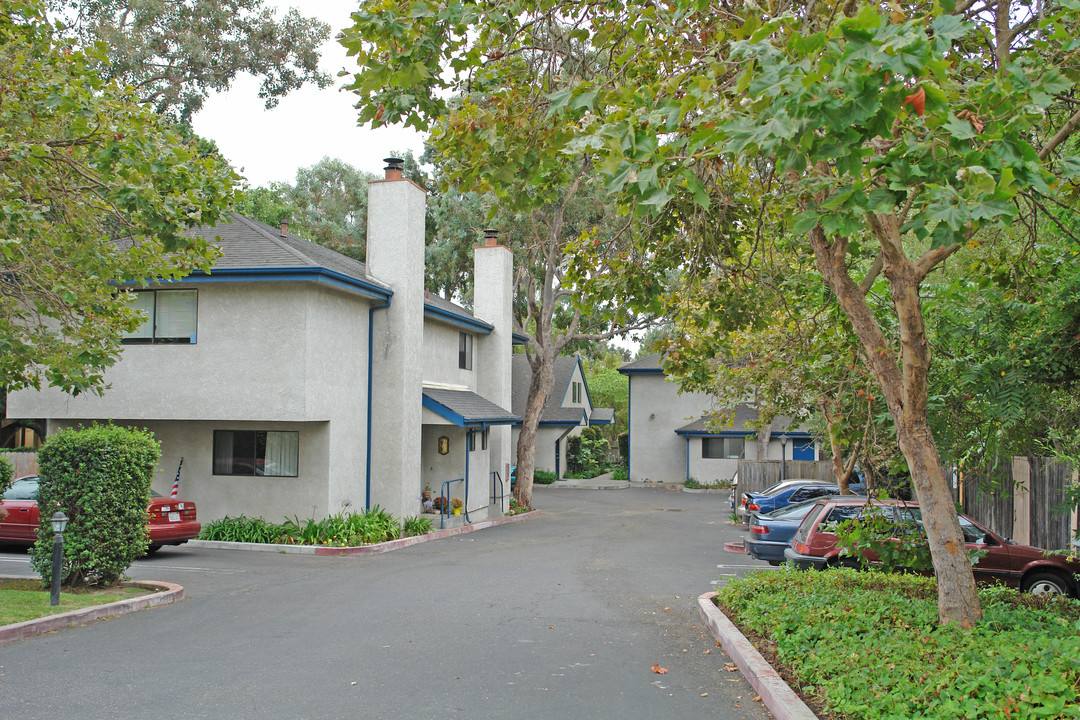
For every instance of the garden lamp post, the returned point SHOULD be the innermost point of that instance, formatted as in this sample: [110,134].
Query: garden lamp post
[59,522]
[783,457]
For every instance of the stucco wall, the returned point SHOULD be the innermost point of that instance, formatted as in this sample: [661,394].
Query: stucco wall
[216,496]
[441,342]
[657,410]
[249,361]
[269,356]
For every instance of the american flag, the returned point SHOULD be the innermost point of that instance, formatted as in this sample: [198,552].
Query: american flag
[176,482]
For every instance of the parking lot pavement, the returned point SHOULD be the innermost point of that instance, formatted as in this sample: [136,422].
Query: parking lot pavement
[560,616]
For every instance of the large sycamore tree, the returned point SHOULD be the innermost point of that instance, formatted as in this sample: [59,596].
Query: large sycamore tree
[83,164]
[898,135]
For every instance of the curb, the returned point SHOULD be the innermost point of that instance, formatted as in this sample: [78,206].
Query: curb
[735,547]
[170,592]
[780,699]
[562,485]
[360,550]
[707,491]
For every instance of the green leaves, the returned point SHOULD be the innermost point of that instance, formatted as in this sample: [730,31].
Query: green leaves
[82,165]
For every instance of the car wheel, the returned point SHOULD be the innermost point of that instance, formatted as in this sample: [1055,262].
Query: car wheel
[1045,583]
[152,549]
[774,563]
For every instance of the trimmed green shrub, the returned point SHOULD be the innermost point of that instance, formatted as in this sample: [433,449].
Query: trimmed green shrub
[543,477]
[621,474]
[100,478]
[7,472]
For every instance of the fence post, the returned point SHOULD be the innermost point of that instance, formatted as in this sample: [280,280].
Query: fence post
[1021,472]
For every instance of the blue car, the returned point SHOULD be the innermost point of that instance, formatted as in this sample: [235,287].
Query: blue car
[771,532]
[789,492]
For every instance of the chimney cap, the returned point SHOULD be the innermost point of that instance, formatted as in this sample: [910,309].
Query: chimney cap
[491,237]
[393,163]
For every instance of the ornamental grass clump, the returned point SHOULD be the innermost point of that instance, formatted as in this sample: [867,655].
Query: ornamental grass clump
[100,478]
[869,646]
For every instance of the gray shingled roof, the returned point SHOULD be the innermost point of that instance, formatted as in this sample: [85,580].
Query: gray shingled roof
[649,363]
[522,376]
[250,244]
[470,407]
[602,416]
[745,415]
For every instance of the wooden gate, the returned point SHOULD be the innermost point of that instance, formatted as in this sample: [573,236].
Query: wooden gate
[756,475]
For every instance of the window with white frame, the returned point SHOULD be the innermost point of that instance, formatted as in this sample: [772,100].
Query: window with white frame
[171,317]
[465,348]
[269,453]
[726,448]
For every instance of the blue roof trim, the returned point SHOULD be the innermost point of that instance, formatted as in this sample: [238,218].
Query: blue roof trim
[460,420]
[460,320]
[641,371]
[794,435]
[584,383]
[600,422]
[518,339]
[298,274]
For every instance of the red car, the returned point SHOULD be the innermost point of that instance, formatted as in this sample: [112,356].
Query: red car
[172,521]
[1021,566]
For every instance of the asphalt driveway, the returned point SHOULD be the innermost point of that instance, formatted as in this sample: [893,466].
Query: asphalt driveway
[558,616]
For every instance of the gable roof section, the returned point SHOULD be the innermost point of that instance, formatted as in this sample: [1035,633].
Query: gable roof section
[255,252]
[602,416]
[648,365]
[745,415]
[554,413]
[466,409]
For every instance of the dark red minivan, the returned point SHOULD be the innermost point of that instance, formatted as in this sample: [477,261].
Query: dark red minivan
[1021,566]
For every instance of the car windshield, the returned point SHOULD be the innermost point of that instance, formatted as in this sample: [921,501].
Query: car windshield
[794,511]
[25,489]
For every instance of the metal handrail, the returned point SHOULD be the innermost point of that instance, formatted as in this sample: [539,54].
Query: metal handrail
[444,511]
[502,489]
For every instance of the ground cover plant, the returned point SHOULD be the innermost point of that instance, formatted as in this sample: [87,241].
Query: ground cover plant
[544,477]
[693,484]
[868,646]
[345,529]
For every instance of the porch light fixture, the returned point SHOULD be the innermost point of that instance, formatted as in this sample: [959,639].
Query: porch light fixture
[444,444]
[59,523]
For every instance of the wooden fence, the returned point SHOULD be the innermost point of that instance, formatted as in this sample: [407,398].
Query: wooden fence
[1023,500]
[755,475]
[25,463]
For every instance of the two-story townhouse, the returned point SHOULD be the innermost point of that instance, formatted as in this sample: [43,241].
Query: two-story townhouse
[294,380]
[671,438]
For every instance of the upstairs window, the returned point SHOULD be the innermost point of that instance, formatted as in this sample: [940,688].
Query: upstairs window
[465,346]
[723,448]
[575,392]
[171,317]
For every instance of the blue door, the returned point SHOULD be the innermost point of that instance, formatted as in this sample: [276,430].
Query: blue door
[802,449]
[557,449]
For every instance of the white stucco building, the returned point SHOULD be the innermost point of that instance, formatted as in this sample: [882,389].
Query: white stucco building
[293,380]
[671,439]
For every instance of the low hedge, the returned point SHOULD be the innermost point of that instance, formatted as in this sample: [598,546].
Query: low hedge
[868,646]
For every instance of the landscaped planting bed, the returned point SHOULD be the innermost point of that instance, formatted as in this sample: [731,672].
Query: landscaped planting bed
[341,530]
[868,645]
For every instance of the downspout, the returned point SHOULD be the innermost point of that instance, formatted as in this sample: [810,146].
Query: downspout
[688,457]
[468,442]
[370,373]
[629,420]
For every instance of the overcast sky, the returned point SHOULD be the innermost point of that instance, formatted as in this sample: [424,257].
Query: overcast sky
[309,124]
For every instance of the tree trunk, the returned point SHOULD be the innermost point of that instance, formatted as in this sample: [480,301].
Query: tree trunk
[543,378]
[904,383]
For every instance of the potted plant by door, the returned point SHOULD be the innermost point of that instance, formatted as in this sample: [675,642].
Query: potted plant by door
[456,503]
[426,494]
